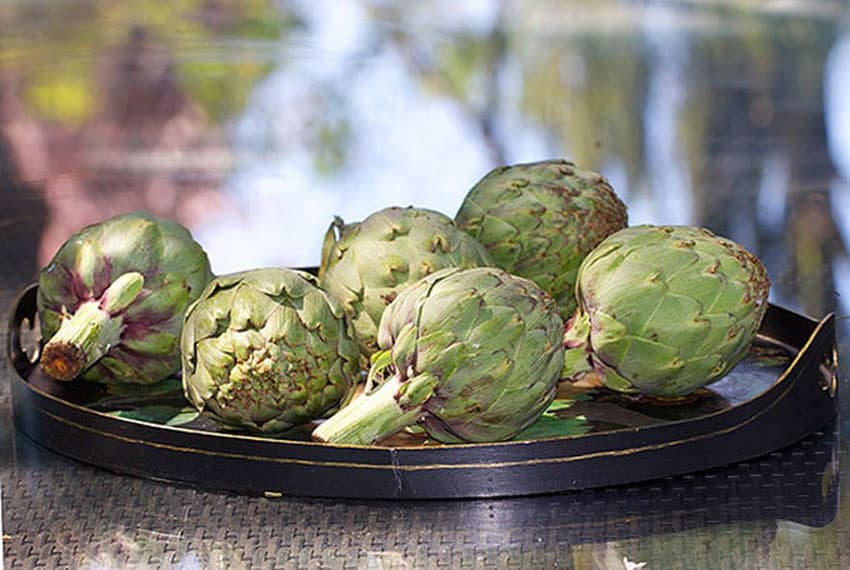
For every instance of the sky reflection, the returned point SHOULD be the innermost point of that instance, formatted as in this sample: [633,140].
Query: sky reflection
[370,128]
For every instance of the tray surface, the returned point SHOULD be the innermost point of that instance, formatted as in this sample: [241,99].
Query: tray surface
[575,411]
[589,437]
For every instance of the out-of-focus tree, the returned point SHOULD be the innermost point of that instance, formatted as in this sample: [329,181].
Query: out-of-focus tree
[587,90]
[582,81]
[756,96]
[466,68]
[124,102]
[212,73]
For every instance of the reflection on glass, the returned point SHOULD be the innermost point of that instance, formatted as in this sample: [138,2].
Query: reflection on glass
[749,515]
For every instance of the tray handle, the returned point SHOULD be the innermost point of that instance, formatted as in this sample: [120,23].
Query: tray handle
[828,367]
[24,355]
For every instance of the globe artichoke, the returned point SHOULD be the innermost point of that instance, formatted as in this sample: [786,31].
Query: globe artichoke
[664,310]
[539,220]
[366,264]
[474,355]
[112,300]
[267,349]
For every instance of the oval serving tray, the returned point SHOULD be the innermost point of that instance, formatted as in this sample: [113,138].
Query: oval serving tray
[785,390]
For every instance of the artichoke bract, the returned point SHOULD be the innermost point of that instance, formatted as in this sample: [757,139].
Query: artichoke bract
[112,300]
[267,349]
[366,264]
[472,355]
[664,310]
[539,220]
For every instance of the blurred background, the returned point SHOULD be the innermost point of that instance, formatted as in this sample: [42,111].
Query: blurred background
[255,122]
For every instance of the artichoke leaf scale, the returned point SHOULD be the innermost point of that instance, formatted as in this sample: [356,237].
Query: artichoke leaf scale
[155,343]
[608,337]
[163,296]
[534,260]
[54,296]
[136,245]
[283,326]
[733,299]
[92,267]
[405,350]
[496,229]
[442,352]
[445,314]
[314,312]
[502,325]
[719,325]
[249,308]
[474,383]
[117,368]
[502,409]
[213,318]
[525,359]
[675,321]
[705,287]
[648,360]
[627,301]
[675,262]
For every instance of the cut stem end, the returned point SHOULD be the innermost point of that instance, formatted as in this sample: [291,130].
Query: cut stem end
[62,361]
[81,340]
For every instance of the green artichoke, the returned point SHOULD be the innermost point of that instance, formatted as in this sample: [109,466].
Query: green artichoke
[474,355]
[366,264]
[267,349]
[539,220]
[664,310]
[112,300]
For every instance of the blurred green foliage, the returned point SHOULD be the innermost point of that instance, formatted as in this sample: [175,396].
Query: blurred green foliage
[217,64]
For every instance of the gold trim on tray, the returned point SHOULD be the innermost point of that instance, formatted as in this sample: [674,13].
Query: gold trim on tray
[429,467]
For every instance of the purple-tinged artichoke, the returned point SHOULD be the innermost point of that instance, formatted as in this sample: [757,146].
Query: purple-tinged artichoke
[472,355]
[112,300]
[265,350]
[664,310]
[366,264]
[539,221]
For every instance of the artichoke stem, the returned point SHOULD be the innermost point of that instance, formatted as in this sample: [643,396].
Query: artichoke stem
[80,341]
[123,292]
[373,417]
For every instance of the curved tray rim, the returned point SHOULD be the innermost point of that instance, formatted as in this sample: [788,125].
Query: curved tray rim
[410,461]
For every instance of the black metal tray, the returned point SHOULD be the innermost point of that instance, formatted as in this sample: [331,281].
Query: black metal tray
[785,390]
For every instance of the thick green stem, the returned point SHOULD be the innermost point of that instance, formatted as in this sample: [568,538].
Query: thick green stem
[373,417]
[80,342]
[91,331]
[123,291]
